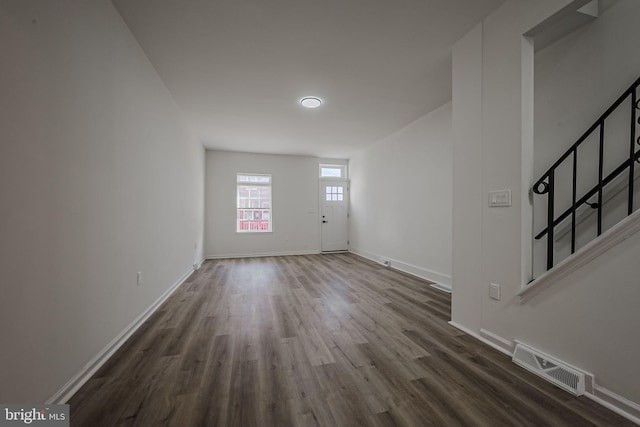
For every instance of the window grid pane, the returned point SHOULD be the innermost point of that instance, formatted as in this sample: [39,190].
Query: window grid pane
[334,193]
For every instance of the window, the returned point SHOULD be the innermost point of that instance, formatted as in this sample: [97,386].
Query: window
[332,171]
[334,194]
[253,203]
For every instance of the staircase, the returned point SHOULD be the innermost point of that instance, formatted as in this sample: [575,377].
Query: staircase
[592,186]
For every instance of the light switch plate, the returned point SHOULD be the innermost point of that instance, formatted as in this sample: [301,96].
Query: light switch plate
[499,198]
[494,291]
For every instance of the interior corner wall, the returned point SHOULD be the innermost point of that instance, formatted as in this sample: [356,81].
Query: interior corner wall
[295,210]
[584,316]
[100,178]
[401,198]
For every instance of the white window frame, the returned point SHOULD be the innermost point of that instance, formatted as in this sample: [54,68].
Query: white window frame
[253,180]
[343,171]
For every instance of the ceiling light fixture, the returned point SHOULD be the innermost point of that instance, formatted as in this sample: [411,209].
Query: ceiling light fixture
[311,102]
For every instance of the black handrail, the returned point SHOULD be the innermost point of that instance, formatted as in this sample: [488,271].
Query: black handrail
[546,183]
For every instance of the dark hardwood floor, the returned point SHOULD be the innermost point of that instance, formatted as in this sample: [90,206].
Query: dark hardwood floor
[320,340]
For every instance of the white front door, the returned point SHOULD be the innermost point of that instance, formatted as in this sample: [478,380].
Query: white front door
[334,215]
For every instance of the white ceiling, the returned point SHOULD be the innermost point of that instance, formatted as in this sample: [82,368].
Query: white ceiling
[237,68]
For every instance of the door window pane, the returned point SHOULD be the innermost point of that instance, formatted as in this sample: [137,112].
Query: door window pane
[334,193]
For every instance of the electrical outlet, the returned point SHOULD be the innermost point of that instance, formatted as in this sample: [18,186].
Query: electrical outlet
[195,266]
[494,291]
[139,282]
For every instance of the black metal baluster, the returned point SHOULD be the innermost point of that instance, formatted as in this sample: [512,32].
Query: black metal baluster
[600,167]
[632,151]
[550,214]
[573,200]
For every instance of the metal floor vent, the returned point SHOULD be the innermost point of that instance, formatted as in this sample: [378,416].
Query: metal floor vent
[552,370]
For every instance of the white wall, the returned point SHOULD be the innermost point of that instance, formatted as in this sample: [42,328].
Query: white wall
[295,198]
[401,198]
[99,179]
[467,188]
[586,312]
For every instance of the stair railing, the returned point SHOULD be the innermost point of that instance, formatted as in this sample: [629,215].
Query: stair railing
[546,183]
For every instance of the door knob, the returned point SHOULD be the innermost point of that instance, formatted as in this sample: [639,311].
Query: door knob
[323,221]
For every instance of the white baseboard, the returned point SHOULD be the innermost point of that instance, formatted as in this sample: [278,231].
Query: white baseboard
[507,346]
[442,288]
[262,254]
[443,280]
[618,404]
[73,385]
[502,345]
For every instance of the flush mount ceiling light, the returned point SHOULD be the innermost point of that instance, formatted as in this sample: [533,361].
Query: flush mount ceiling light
[311,102]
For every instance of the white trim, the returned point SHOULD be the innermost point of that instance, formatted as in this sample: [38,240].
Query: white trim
[443,280]
[618,404]
[527,107]
[332,178]
[198,264]
[616,234]
[262,254]
[498,340]
[78,380]
[442,288]
[481,338]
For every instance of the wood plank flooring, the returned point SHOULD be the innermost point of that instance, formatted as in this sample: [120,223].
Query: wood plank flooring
[320,340]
